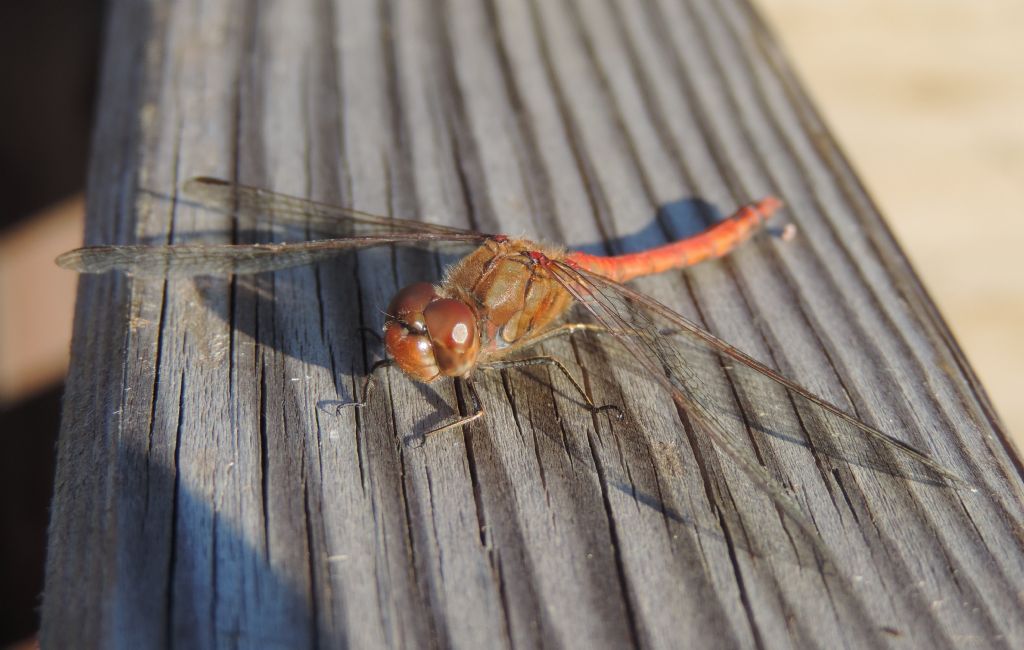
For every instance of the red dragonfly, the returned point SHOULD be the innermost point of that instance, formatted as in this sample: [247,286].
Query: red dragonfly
[503,298]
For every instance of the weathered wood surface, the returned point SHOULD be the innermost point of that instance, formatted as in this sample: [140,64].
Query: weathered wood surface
[203,499]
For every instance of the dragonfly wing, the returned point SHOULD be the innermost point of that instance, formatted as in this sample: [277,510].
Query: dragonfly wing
[264,206]
[729,392]
[225,259]
[638,333]
[678,345]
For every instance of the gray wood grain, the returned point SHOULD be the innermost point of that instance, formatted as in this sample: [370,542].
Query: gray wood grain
[204,500]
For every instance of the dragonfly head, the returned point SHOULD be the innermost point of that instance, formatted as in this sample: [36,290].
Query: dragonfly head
[429,336]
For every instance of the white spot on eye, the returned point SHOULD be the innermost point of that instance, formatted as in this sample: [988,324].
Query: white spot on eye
[460,333]
[423,345]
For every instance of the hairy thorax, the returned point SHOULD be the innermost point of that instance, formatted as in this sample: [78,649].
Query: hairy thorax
[514,298]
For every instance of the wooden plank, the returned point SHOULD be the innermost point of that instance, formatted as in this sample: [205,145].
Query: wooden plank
[204,498]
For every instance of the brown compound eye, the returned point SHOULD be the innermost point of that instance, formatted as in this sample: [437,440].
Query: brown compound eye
[408,304]
[452,328]
[405,332]
[412,352]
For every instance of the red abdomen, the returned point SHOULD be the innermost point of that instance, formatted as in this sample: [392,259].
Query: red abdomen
[716,241]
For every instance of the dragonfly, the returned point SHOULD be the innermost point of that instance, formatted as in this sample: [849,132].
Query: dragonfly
[502,300]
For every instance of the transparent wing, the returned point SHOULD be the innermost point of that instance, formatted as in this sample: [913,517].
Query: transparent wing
[224,259]
[672,349]
[260,205]
[350,229]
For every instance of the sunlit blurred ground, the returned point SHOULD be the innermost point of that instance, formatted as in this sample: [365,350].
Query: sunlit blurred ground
[927,99]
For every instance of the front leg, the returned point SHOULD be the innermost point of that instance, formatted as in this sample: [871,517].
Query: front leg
[478,412]
[368,382]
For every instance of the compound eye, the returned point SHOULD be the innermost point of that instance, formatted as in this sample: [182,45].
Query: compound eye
[452,328]
[408,304]
[413,353]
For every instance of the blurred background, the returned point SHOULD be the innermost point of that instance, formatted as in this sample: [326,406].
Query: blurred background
[48,58]
[925,96]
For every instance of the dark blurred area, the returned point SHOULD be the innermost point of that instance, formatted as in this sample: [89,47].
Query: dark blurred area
[49,52]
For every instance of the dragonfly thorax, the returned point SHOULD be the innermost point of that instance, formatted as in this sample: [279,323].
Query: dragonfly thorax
[429,336]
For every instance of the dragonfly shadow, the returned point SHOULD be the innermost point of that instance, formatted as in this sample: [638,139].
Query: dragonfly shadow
[682,218]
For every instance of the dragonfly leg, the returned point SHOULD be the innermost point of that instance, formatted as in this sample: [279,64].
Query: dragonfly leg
[367,385]
[567,329]
[785,232]
[478,412]
[551,361]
